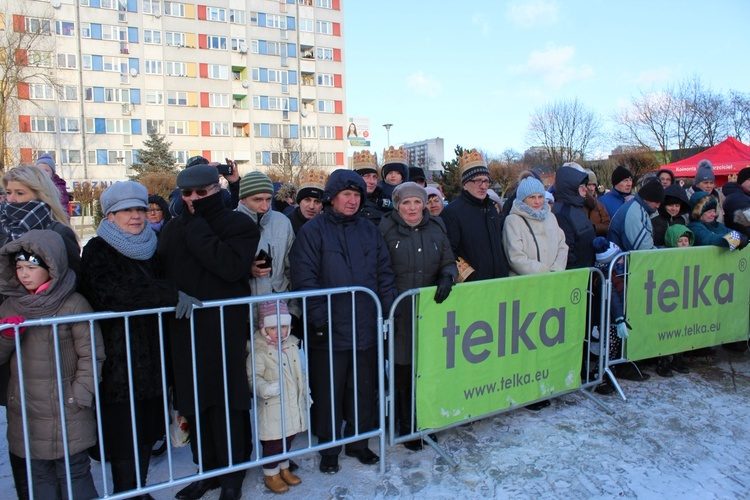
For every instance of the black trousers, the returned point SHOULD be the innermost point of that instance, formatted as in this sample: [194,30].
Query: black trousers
[214,443]
[328,414]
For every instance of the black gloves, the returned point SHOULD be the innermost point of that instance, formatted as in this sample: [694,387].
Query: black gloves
[444,285]
[743,242]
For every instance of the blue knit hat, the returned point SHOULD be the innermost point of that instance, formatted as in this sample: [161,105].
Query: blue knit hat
[527,187]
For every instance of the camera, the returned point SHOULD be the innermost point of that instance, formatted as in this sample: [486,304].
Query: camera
[225,169]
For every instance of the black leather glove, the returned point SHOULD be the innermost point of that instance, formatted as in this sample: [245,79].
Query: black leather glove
[444,285]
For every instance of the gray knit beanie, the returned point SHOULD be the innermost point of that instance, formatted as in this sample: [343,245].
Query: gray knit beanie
[408,190]
[705,172]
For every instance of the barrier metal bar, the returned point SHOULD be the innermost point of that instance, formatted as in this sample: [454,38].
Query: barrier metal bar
[251,302]
[608,319]
[585,388]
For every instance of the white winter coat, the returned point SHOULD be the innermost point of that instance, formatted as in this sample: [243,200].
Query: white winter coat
[521,250]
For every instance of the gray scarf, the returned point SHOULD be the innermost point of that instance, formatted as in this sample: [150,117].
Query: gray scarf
[540,214]
[134,246]
[48,302]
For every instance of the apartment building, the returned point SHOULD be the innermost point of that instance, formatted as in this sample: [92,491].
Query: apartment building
[251,80]
[427,154]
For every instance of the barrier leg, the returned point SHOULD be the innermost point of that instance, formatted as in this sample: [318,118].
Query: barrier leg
[440,451]
[612,377]
[598,401]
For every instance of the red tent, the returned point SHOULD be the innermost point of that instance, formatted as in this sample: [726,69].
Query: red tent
[728,157]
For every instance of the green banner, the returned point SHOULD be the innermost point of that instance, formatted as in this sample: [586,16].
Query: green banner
[498,343]
[681,299]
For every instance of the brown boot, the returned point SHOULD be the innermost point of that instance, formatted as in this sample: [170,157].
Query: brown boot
[276,484]
[289,478]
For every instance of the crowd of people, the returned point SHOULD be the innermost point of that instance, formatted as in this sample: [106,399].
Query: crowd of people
[378,227]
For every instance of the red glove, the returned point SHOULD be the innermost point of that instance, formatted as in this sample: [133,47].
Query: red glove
[12,320]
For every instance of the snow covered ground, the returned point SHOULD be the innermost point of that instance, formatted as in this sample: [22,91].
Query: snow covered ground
[684,437]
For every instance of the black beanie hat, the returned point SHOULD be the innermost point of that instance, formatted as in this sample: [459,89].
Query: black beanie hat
[620,174]
[652,191]
[743,175]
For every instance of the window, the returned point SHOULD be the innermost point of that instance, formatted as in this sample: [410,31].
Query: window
[65,28]
[152,37]
[174,9]
[85,30]
[217,42]
[175,68]
[218,72]
[324,4]
[68,156]
[239,103]
[108,4]
[152,67]
[326,159]
[307,25]
[175,39]
[181,157]
[325,106]
[39,59]
[114,33]
[38,26]
[175,98]
[115,126]
[116,95]
[86,61]
[278,103]
[90,126]
[67,93]
[309,131]
[119,157]
[324,54]
[42,124]
[177,128]
[154,97]
[237,43]
[41,91]
[152,7]
[115,65]
[220,128]
[218,100]
[69,61]
[325,80]
[216,14]
[326,132]
[237,16]
[154,126]
[324,27]
[70,125]
[274,21]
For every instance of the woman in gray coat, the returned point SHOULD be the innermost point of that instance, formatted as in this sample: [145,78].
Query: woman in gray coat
[421,256]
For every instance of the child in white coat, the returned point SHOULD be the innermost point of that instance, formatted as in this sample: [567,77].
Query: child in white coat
[263,371]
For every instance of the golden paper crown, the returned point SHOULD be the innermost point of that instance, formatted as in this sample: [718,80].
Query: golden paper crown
[312,178]
[392,155]
[470,159]
[364,159]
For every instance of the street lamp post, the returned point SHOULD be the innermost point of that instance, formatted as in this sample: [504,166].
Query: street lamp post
[388,132]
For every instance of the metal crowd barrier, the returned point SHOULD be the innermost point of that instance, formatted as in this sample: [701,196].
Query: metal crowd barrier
[594,364]
[100,474]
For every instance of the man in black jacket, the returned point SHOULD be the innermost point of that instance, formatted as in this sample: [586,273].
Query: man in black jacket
[474,224]
[207,251]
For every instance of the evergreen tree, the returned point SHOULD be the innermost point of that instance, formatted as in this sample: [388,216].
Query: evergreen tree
[154,158]
[451,178]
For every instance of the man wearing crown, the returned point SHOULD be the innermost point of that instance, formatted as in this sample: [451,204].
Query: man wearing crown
[395,171]
[309,195]
[473,222]
[376,205]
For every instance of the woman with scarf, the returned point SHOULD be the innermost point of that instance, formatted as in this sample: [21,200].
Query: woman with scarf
[119,269]
[33,202]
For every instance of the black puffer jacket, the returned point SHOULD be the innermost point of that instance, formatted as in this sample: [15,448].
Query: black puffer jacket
[475,230]
[672,194]
[572,218]
[419,256]
[110,281]
[736,208]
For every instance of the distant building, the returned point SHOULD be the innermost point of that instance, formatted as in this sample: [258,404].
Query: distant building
[427,154]
[251,80]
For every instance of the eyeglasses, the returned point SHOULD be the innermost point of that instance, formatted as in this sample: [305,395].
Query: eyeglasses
[480,182]
[186,193]
[154,210]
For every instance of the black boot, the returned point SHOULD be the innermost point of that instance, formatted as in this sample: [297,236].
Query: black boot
[123,475]
[18,466]
[663,367]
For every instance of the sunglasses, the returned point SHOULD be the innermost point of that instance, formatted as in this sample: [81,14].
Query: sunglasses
[200,192]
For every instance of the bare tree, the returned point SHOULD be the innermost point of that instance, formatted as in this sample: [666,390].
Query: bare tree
[739,115]
[26,56]
[289,157]
[567,130]
[648,122]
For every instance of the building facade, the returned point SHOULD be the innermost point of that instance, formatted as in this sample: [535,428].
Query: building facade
[427,155]
[258,81]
